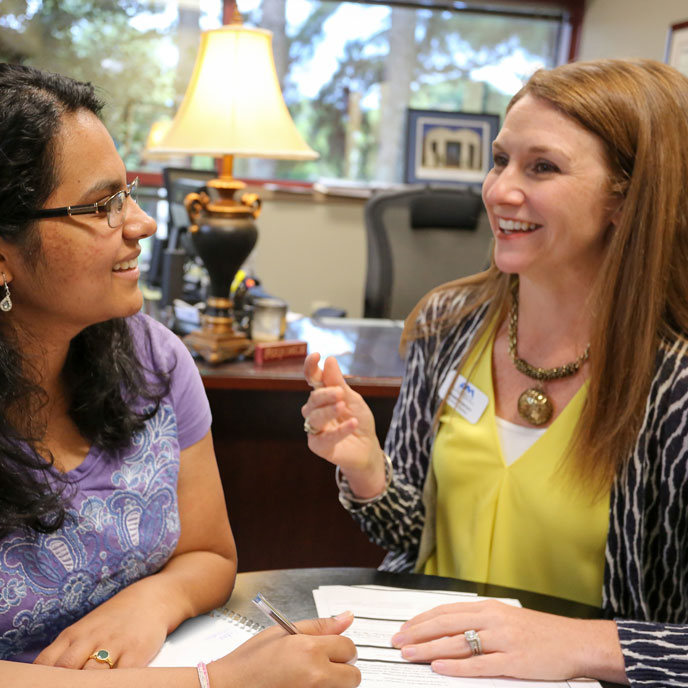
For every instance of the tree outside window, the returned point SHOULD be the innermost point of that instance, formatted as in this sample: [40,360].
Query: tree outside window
[348,70]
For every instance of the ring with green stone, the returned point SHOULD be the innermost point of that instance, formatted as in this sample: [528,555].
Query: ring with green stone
[103,656]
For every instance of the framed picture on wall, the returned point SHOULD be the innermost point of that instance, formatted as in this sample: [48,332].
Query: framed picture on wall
[677,47]
[448,147]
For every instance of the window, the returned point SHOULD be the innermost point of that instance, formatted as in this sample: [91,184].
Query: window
[349,70]
[138,53]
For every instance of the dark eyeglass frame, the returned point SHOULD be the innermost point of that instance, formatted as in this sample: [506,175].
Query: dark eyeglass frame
[103,206]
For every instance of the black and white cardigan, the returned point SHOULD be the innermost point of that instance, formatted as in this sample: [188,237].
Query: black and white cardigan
[646,572]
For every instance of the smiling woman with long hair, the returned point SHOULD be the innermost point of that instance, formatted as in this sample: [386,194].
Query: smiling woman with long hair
[108,478]
[539,438]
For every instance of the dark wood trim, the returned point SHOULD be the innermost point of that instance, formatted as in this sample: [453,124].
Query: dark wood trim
[380,388]
[148,178]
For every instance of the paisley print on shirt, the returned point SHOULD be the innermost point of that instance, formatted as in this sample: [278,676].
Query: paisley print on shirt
[122,524]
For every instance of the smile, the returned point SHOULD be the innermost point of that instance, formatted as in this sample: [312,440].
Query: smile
[510,226]
[126,265]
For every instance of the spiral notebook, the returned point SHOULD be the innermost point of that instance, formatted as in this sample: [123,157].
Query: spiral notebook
[205,638]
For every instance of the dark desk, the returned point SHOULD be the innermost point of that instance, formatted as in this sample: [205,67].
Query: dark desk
[367,351]
[281,499]
[291,592]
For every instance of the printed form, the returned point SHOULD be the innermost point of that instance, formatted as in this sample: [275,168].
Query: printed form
[379,611]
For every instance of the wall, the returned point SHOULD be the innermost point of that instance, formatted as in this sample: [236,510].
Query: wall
[629,28]
[311,251]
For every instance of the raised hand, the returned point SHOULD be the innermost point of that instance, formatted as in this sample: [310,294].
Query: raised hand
[341,427]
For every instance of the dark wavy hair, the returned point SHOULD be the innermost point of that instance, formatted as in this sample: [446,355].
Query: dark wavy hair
[102,372]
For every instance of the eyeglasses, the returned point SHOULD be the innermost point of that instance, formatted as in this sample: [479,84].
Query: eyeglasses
[114,206]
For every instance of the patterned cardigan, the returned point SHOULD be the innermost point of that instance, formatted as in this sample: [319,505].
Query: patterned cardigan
[646,559]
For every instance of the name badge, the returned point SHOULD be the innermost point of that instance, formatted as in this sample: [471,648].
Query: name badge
[465,398]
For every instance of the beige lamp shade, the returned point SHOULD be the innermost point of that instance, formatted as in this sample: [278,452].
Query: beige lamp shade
[233,104]
[157,133]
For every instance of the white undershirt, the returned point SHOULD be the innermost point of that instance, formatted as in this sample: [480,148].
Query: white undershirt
[516,439]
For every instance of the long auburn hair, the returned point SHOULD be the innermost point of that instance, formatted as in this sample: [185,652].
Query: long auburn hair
[639,110]
[102,372]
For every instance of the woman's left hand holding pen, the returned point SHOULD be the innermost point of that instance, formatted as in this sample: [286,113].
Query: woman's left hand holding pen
[316,656]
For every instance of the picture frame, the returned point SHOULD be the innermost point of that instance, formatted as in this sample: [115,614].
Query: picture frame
[449,148]
[676,55]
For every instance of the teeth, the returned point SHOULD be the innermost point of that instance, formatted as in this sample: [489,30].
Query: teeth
[126,265]
[515,225]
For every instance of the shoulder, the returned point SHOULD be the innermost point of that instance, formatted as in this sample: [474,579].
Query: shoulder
[441,304]
[163,353]
[670,382]
[443,316]
[672,357]
[668,397]
[157,347]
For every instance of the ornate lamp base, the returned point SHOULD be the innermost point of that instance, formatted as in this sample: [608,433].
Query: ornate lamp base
[217,340]
[224,233]
[217,347]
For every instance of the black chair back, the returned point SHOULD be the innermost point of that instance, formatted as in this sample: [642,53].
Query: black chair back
[180,181]
[418,239]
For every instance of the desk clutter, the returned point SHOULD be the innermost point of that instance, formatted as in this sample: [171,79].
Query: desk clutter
[259,317]
[268,352]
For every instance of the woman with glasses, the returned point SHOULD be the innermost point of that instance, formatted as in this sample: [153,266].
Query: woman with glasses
[113,527]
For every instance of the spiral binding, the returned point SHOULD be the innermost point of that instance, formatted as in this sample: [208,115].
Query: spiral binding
[237,619]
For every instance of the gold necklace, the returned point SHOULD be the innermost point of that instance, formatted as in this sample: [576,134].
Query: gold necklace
[534,405]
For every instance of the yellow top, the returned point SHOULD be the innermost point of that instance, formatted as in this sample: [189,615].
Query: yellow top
[524,525]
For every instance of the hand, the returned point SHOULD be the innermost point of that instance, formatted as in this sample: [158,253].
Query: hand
[516,642]
[318,656]
[346,427]
[131,633]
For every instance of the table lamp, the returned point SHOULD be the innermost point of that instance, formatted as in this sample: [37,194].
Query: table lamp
[233,106]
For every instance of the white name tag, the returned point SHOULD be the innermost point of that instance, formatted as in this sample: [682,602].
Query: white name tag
[465,398]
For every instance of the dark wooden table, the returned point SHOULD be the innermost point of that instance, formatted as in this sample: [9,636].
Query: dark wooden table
[281,498]
[366,349]
[291,592]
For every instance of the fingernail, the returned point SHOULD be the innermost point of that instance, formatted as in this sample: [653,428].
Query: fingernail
[398,640]
[409,652]
[343,616]
[438,666]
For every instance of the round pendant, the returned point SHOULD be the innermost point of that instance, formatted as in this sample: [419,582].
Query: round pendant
[535,406]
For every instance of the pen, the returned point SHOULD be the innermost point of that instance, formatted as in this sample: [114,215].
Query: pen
[277,616]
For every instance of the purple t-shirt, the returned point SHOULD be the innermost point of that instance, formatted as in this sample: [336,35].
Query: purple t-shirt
[122,522]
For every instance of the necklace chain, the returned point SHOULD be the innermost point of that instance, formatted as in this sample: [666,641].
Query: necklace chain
[541,374]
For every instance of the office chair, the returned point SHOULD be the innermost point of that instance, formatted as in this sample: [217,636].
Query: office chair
[179,182]
[169,254]
[417,239]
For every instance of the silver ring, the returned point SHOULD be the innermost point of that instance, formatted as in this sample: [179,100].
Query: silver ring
[473,640]
[308,428]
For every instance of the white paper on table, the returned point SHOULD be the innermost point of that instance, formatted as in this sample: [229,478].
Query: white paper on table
[379,612]
[204,638]
[377,602]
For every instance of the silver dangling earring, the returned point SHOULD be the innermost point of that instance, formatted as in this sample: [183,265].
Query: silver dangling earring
[6,303]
